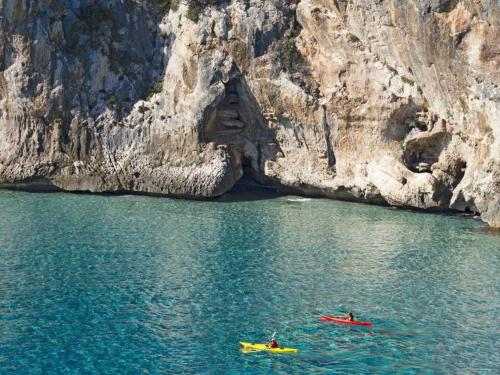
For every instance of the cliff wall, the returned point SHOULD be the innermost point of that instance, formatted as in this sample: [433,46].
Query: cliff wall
[389,102]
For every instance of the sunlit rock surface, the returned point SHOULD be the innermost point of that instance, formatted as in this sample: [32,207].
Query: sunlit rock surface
[385,102]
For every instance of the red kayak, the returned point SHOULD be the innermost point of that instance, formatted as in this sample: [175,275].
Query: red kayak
[340,320]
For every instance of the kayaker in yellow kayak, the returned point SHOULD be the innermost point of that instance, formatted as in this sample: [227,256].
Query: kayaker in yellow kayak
[272,342]
[271,346]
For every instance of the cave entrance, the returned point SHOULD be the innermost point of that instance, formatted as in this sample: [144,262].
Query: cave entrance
[237,122]
[251,185]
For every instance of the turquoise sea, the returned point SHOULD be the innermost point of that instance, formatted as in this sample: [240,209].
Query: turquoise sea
[95,284]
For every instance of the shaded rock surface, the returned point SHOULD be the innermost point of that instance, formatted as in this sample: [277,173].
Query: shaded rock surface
[385,102]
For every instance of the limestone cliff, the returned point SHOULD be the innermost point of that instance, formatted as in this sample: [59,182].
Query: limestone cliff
[383,101]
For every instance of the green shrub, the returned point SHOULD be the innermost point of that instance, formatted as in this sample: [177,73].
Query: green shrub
[289,55]
[111,100]
[166,5]
[194,11]
[408,80]
[156,89]
[196,7]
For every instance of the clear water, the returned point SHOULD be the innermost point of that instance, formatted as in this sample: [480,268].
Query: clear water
[130,284]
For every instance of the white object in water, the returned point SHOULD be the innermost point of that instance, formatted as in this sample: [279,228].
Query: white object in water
[298,199]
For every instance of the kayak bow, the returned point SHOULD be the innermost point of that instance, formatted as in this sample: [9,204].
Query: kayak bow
[247,345]
[345,321]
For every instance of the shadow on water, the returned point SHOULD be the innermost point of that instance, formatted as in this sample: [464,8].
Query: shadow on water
[485,230]
[248,193]
[249,190]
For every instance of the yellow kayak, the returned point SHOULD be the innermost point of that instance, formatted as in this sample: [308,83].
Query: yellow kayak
[247,345]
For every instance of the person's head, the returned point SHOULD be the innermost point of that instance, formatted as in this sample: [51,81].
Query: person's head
[351,316]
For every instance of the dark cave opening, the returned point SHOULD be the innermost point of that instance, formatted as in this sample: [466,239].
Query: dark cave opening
[237,122]
[251,186]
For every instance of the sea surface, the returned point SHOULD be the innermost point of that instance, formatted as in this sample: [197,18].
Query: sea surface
[95,284]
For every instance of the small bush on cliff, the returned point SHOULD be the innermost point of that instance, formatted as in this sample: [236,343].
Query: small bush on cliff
[197,6]
[111,100]
[289,55]
[408,81]
[194,11]
[166,5]
[156,89]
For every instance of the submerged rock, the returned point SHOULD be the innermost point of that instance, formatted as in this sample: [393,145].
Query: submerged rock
[387,102]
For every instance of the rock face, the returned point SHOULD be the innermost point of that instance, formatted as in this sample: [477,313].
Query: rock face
[383,101]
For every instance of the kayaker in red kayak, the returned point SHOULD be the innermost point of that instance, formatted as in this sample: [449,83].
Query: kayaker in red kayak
[349,317]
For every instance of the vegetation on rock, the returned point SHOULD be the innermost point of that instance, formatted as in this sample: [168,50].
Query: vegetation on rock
[166,5]
[197,6]
[156,89]
[289,55]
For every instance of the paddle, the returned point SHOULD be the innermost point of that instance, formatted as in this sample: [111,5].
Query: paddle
[271,339]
